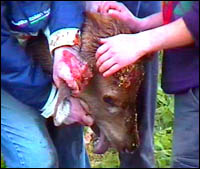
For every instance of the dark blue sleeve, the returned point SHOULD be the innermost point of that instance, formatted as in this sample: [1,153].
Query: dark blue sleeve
[19,75]
[191,20]
[66,14]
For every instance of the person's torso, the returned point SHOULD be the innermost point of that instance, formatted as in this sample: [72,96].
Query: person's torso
[180,65]
[28,17]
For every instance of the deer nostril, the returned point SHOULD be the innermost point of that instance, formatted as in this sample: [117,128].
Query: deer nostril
[109,100]
[128,151]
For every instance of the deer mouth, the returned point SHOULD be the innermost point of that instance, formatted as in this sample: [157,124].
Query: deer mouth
[101,143]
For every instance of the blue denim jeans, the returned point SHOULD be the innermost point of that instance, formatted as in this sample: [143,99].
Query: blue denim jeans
[186,130]
[144,155]
[26,141]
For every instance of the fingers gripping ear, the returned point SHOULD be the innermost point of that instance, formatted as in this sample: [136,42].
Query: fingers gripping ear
[114,13]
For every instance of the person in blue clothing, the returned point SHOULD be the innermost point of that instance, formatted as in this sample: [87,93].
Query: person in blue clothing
[28,95]
[144,155]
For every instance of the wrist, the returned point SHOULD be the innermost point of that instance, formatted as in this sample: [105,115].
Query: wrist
[141,22]
[149,22]
[135,24]
[144,41]
[64,37]
[58,52]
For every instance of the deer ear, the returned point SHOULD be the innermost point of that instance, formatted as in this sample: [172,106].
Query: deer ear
[90,38]
[95,19]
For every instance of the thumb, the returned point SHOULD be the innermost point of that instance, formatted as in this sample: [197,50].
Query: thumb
[87,120]
[103,40]
[57,81]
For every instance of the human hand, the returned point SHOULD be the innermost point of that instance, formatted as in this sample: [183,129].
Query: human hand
[78,114]
[69,68]
[121,12]
[119,51]
[61,67]
[65,109]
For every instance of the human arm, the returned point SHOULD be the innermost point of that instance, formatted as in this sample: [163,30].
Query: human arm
[120,11]
[19,75]
[25,80]
[111,54]
[64,29]
[92,6]
[65,23]
[172,35]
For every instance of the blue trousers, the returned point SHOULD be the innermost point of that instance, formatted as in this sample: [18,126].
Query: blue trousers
[27,142]
[186,130]
[144,155]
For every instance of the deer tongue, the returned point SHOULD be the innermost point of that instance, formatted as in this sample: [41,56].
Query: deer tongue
[101,143]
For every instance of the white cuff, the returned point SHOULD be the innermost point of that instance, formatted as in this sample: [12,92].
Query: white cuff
[64,37]
[48,108]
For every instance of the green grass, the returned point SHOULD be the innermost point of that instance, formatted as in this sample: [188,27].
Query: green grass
[163,130]
[2,163]
[163,127]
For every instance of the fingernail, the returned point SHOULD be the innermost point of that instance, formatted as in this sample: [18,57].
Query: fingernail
[105,75]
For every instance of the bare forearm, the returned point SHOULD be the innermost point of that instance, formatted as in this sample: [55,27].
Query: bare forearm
[151,21]
[92,6]
[168,36]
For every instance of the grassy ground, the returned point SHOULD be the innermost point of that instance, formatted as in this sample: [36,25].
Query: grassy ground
[2,163]
[163,130]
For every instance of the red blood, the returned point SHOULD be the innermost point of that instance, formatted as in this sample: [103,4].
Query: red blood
[80,71]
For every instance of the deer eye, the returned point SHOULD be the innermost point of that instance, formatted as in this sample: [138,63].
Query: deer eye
[109,100]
